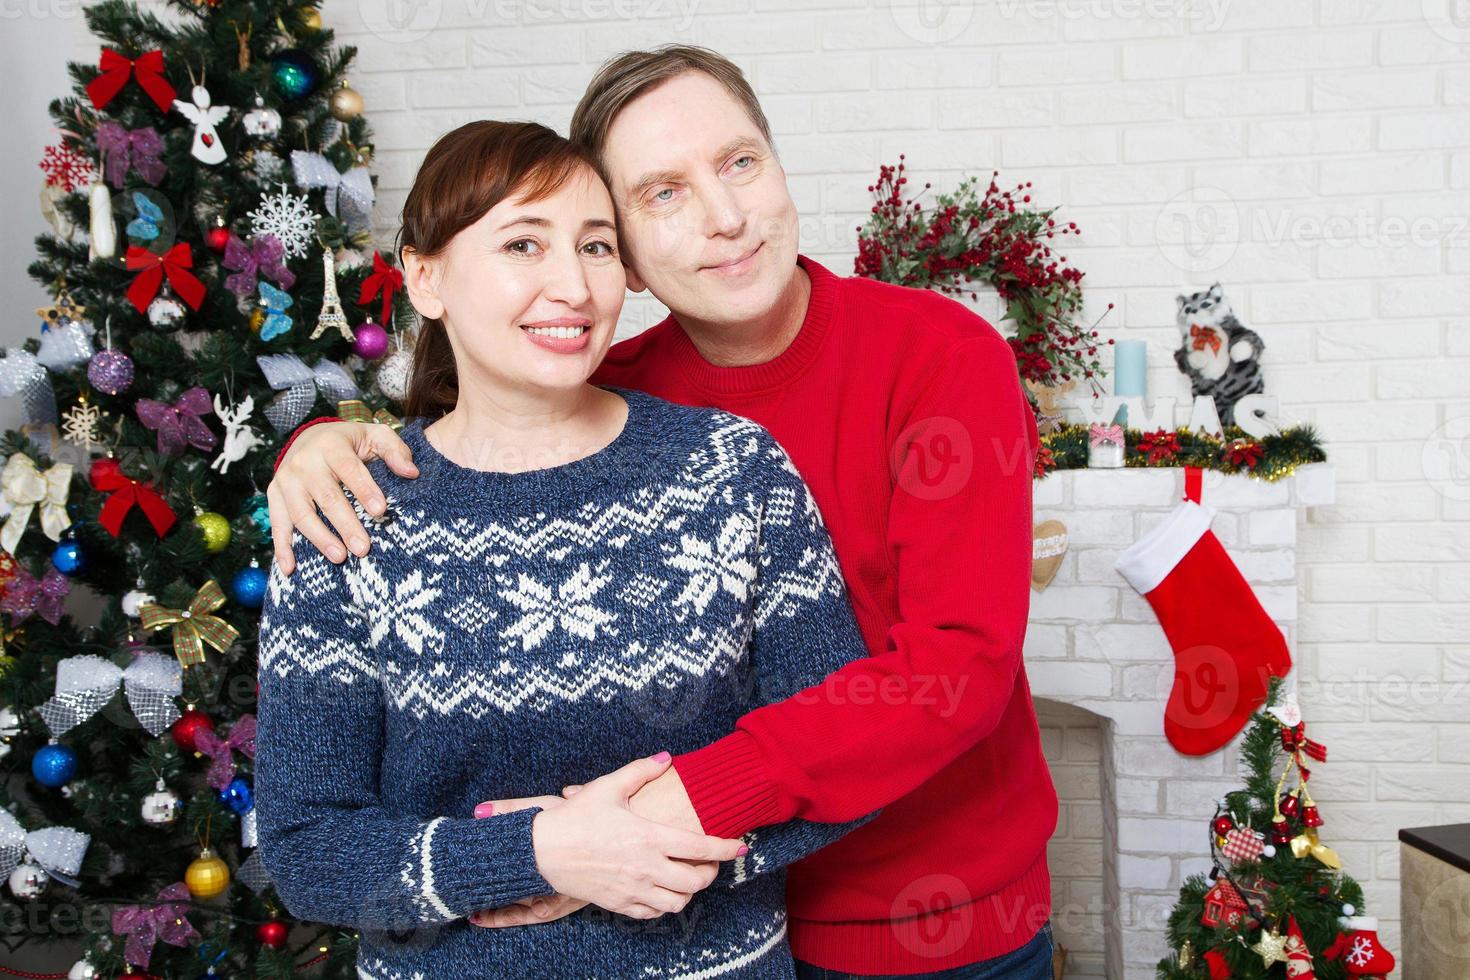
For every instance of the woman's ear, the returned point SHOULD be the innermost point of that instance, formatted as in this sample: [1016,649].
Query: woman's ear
[421,280]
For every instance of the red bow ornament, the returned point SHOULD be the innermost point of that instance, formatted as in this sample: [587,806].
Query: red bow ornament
[152,267]
[117,69]
[1204,337]
[385,280]
[107,477]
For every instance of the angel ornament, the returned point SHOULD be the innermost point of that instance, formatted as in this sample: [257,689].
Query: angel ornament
[240,438]
[207,147]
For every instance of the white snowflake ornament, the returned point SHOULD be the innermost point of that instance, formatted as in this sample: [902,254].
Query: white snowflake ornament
[288,217]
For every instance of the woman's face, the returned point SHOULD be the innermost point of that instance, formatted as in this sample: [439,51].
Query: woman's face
[530,293]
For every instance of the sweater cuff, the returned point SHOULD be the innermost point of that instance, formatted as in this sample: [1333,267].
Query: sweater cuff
[300,429]
[729,786]
[469,864]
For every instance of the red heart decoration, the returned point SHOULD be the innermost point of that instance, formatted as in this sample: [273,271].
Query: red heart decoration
[206,139]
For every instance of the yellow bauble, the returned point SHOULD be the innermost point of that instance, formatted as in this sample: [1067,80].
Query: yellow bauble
[207,875]
[216,531]
[311,19]
[257,317]
[345,103]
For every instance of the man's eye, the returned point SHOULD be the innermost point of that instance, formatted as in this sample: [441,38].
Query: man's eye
[747,159]
[659,197]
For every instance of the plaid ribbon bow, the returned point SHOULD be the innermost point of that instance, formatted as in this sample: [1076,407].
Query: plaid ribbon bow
[194,626]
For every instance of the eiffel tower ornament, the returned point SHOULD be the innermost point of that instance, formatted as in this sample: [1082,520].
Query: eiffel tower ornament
[331,314]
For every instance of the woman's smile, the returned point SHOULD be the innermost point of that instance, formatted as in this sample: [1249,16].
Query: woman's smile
[563,335]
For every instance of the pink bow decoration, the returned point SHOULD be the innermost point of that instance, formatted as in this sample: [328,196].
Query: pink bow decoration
[262,257]
[180,423]
[146,925]
[26,595]
[1100,433]
[220,750]
[124,150]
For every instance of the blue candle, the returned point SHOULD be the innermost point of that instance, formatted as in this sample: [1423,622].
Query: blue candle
[1130,372]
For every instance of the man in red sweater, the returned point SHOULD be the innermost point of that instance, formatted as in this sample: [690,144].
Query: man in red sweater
[904,413]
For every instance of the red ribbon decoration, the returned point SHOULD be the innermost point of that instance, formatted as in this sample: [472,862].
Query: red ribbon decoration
[125,493]
[1295,740]
[1161,444]
[116,69]
[1203,336]
[1242,452]
[386,280]
[176,262]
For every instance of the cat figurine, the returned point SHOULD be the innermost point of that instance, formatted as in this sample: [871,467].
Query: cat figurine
[1220,355]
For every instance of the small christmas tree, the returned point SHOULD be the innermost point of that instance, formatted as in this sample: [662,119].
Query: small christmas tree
[1277,903]
[211,202]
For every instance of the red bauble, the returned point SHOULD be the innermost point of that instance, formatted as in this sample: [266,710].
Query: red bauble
[188,727]
[104,467]
[1223,825]
[1291,805]
[217,238]
[272,933]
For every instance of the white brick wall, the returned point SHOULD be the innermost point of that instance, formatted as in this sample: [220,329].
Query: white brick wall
[1277,124]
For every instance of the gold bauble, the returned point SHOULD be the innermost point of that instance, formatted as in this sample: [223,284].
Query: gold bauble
[257,317]
[216,531]
[345,104]
[207,875]
[311,19]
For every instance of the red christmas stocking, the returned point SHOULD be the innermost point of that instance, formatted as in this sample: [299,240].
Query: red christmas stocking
[1225,646]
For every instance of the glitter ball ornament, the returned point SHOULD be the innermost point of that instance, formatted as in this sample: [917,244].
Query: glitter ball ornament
[68,558]
[165,312]
[162,806]
[28,881]
[262,122]
[54,765]
[369,340]
[393,374]
[216,531]
[110,370]
[294,74]
[187,729]
[248,587]
[207,875]
[217,237]
[345,103]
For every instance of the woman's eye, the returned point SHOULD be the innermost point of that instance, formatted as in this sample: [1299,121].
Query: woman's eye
[599,248]
[523,246]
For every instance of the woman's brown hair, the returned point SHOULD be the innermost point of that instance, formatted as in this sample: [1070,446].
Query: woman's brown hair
[467,172]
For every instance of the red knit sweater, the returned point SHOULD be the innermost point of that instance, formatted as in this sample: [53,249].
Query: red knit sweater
[904,413]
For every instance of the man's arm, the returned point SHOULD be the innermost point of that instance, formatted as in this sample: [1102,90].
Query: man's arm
[959,535]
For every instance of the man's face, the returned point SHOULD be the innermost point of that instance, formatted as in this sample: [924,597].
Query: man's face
[704,217]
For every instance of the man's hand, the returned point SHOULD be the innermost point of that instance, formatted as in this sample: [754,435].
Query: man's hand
[662,800]
[318,464]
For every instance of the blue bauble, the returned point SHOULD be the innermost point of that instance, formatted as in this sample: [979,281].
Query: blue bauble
[68,557]
[294,74]
[54,765]
[238,796]
[248,587]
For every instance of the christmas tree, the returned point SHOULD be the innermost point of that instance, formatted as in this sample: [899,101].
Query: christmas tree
[1277,903]
[210,199]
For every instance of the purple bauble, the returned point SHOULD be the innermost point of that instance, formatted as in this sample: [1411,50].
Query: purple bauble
[110,370]
[369,341]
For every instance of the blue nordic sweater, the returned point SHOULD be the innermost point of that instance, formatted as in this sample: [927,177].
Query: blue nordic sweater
[509,634]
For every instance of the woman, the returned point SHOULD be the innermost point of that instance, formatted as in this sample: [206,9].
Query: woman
[578,576]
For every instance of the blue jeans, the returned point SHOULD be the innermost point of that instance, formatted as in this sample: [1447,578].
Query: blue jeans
[1031,962]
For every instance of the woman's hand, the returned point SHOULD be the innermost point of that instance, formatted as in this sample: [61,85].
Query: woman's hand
[593,849]
[312,474]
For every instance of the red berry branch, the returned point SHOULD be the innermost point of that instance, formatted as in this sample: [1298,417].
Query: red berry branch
[965,239]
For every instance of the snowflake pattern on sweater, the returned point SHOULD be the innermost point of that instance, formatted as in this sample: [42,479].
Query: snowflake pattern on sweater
[509,634]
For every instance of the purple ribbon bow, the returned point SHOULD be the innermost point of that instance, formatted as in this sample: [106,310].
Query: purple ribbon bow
[124,149]
[26,595]
[145,925]
[179,423]
[222,765]
[262,257]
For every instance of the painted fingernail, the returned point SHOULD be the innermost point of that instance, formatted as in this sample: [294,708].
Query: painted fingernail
[484,810]
[661,757]
[743,851]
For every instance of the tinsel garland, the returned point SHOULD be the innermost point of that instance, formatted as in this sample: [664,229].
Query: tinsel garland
[1275,456]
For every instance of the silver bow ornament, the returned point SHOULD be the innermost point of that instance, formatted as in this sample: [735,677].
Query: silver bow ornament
[58,850]
[21,374]
[87,682]
[352,190]
[299,385]
[23,488]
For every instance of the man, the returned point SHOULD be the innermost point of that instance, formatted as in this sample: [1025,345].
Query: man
[904,413]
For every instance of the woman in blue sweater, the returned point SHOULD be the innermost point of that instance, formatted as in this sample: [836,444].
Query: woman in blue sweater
[579,575]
